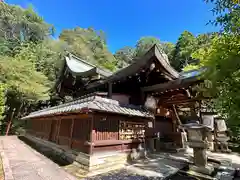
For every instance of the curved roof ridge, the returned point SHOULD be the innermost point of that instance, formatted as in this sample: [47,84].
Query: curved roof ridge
[80,67]
[139,64]
[165,63]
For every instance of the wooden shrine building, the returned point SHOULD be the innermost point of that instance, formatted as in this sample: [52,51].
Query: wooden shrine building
[112,114]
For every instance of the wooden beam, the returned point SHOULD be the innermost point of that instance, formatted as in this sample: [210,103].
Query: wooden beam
[175,84]
[184,101]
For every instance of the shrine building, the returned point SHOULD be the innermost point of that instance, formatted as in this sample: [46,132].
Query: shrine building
[113,115]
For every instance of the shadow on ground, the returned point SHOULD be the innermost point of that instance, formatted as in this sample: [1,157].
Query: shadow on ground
[55,158]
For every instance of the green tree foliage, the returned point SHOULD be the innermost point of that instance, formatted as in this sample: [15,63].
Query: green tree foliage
[49,56]
[22,79]
[144,44]
[127,55]
[222,59]
[89,45]
[181,56]
[185,46]
[2,100]
[124,56]
[22,32]
[2,105]
[19,25]
[228,13]
[168,48]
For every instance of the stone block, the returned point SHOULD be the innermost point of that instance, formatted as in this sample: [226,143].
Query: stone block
[208,170]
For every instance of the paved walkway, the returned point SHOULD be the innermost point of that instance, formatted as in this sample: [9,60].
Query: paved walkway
[21,162]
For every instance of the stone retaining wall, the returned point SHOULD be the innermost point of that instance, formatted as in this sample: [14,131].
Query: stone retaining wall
[89,163]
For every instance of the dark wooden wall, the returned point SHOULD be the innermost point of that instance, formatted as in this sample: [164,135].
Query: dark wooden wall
[88,133]
[72,130]
[106,135]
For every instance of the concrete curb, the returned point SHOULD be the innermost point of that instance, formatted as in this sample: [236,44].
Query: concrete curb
[8,175]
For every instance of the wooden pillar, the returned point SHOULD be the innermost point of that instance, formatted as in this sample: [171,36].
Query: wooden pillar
[110,90]
[142,96]
[58,130]
[71,133]
[91,135]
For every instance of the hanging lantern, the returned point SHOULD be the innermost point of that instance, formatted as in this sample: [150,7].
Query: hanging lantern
[151,103]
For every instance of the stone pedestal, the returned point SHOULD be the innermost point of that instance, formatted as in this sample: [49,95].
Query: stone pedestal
[200,157]
[210,140]
[200,161]
[198,141]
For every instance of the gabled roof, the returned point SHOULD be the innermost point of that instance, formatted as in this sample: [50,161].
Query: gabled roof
[92,102]
[79,67]
[141,64]
[147,59]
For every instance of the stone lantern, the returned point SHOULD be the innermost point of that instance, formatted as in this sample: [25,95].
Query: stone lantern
[197,139]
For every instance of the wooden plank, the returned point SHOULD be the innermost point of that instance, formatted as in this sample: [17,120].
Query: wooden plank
[71,133]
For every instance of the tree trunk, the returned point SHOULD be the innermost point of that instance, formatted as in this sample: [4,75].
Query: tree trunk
[10,122]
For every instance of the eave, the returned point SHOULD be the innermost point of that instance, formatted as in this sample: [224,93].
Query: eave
[139,65]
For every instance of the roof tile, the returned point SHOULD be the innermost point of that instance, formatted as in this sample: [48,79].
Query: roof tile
[95,103]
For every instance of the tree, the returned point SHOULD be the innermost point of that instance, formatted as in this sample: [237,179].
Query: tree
[124,56]
[89,45]
[18,25]
[228,13]
[21,33]
[223,63]
[168,48]
[144,44]
[185,46]
[49,58]
[23,83]
[221,58]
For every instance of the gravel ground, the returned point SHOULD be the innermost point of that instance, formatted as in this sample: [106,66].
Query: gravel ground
[125,175]
[121,175]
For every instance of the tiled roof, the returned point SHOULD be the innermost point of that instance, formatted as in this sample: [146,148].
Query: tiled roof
[95,103]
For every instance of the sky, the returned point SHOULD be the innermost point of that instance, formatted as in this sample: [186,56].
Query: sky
[126,21]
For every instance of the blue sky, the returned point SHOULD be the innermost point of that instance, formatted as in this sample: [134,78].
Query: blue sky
[125,21]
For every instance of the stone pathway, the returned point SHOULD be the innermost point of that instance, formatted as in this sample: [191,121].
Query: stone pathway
[148,169]
[21,162]
[232,158]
